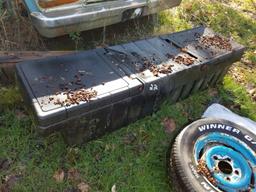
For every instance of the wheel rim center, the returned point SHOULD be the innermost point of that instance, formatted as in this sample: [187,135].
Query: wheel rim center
[225,167]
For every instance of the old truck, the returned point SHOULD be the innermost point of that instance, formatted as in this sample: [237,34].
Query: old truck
[54,18]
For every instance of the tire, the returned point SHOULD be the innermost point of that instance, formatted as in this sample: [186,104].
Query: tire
[228,147]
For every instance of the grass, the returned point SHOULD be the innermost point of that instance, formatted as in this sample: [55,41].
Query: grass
[110,160]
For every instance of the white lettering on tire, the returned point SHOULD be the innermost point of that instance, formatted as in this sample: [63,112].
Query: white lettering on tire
[216,126]
[248,138]
[207,187]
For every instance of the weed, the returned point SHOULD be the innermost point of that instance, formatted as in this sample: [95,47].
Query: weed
[76,38]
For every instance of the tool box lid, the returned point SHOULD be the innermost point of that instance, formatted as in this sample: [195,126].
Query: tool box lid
[70,85]
[203,42]
[139,57]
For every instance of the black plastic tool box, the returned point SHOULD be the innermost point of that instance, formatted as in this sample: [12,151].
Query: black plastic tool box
[89,93]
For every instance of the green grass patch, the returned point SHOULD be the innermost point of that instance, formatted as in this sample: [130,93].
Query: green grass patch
[138,166]
[108,161]
[9,96]
[234,94]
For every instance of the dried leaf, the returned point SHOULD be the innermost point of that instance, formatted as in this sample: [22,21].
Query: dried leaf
[129,138]
[20,114]
[9,182]
[4,164]
[140,148]
[169,125]
[252,92]
[237,74]
[59,175]
[203,169]
[254,98]
[97,156]
[213,92]
[250,86]
[74,175]
[71,189]
[4,188]
[235,106]
[73,155]
[83,187]
[113,188]
[184,49]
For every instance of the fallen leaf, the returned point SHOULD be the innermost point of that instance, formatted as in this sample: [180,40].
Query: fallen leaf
[252,91]
[97,157]
[235,106]
[184,49]
[188,115]
[254,98]
[169,125]
[74,175]
[83,187]
[4,164]
[71,189]
[72,155]
[59,175]
[9,182]
[129,138]
[213,92]
[140,148]
[4,188]
[20,114]
[237,74]
[102,45]
[113,188]
[249,86]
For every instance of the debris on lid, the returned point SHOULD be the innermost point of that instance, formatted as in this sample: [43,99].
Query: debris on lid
[216,41]
[184,49]
[170,56]
[151,64]
[163,69]
[185,59]
[68,95]
[74,97]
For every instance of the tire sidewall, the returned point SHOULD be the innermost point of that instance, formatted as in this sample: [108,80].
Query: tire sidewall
[186,140]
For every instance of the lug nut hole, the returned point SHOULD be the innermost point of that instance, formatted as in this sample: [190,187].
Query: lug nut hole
[236,172]
[215,157]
